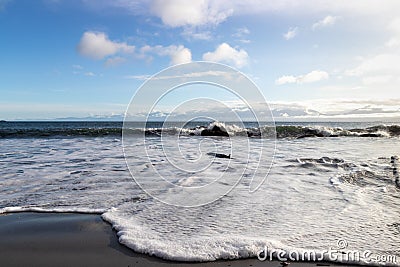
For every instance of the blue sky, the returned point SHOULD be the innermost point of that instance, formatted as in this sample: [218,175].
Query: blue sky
[330,59]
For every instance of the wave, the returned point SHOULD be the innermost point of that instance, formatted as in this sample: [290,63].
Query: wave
[212,129]
[61,132]
[17,209]
[322,131]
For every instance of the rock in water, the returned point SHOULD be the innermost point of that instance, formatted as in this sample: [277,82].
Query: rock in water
[214,131]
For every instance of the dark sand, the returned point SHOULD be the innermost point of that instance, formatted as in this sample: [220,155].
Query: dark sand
[70,239]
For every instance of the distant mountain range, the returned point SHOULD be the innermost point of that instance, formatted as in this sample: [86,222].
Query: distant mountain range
[117,117]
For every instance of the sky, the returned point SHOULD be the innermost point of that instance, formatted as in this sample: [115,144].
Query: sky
[334,60]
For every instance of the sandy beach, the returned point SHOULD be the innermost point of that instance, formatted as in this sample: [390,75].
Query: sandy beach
[71,239]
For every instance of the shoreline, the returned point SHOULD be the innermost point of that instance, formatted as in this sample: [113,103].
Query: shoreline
[79,239]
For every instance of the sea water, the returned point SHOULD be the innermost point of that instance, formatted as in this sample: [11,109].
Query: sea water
[333,192]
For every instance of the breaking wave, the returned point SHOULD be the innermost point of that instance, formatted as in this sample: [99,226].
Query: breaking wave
[210,129]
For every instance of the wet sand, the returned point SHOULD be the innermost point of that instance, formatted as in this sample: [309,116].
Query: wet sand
[71,239]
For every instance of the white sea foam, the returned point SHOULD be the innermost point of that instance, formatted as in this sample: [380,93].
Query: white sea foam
[320,190]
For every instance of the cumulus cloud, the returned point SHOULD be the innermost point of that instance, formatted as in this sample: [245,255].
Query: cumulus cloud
[292,32]
[178,54]
[327,21]
[176,13]
[313,76]
[97,45]
[227,54]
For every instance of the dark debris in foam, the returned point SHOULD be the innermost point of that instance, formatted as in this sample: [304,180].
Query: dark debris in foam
[395,163]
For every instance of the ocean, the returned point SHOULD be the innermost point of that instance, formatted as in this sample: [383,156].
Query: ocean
[330,188]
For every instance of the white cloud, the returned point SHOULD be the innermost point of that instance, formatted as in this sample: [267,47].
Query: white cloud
[77,67]
[327,21]
[382,70]
[178,54]
[96,45]
[292,32]
[245,41]
[383,64]
[378,79]
[240,32]
[137,77]
[286,79]
[227,54]
[394,28]
[196,34]
[177,13]
[354,7]
[200,74]
[89,74]
[393,42]
[313,76]
[114,61]
[394,25]
[199,10]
